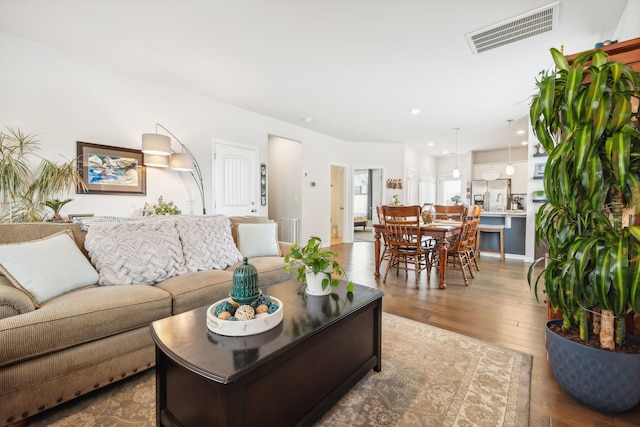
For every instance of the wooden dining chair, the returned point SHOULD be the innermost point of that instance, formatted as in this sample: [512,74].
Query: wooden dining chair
[457,255]
[473,215]
[385,253]
[454,212]
[404,240]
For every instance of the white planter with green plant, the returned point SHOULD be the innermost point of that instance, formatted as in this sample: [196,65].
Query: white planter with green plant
[317,268]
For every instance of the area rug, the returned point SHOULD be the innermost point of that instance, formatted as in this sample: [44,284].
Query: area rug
[429,377]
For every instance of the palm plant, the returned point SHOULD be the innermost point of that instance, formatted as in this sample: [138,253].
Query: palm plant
[24,189]
[583,117]
[56,205]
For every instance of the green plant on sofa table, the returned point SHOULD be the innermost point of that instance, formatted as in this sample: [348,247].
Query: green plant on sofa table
[582,116]
[162,208]
[311,258]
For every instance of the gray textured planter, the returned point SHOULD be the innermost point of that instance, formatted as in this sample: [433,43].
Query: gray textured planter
[602,380]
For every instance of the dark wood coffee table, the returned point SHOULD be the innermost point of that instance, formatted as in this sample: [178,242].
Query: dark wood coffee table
[289,375]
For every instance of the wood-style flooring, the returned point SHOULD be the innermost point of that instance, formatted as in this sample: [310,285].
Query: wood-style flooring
[498,307]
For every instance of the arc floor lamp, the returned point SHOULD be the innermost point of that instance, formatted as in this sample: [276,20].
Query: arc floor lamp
[158,153]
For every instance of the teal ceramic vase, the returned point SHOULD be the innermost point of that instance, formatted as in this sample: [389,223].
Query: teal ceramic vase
[245,283]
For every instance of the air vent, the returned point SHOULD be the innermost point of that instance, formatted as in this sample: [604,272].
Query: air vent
[521,27]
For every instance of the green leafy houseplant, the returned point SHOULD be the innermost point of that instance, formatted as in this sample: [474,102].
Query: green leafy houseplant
[24,189]
[583,116]
[162,208]
[311,257]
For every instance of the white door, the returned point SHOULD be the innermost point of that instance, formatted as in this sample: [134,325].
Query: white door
[235,179]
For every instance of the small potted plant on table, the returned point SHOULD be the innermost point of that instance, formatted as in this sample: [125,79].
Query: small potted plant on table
[317,268]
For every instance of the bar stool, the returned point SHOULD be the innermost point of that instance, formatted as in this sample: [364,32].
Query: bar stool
[487,228]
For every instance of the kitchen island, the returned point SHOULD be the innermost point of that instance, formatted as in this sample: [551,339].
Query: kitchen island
[515,230]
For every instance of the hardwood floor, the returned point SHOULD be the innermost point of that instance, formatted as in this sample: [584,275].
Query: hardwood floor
[497,307]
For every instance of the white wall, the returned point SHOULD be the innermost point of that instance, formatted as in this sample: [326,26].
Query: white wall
[64,100]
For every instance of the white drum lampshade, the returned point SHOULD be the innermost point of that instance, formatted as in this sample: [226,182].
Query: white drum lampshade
[156,160]
[181,162]
[153,143]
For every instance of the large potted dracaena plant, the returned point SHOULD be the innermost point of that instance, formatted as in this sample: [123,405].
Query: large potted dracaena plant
[585,116]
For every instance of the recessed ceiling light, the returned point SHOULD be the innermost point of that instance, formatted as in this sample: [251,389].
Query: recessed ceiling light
[429,144]
[308,119]
[445,152]
[520,132]
[524,142]
[415,111]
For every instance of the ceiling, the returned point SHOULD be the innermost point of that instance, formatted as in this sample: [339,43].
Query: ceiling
[355,67]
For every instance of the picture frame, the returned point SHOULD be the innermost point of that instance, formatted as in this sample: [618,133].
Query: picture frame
[107,169]
[538,171]
[263,184]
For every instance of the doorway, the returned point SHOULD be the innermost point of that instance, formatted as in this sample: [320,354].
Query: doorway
[337,216]
[367,194]
[284,186]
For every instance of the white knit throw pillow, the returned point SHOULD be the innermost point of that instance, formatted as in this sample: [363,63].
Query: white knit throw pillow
[144,252]
[207,242]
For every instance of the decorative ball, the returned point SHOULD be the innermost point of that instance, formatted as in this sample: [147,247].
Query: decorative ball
[224,315]
[232,319]
[234,304]
[224,306]
[273,308]
[245,312]
[264,300]
[262,309]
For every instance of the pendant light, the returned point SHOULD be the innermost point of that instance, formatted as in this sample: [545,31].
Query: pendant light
[509,171]
[456,171]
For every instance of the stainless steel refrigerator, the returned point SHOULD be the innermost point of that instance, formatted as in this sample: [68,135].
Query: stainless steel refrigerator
[494,195]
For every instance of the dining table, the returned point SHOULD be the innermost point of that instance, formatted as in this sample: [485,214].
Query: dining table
[440,230]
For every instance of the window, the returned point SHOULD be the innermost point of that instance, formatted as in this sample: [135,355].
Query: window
[450,188]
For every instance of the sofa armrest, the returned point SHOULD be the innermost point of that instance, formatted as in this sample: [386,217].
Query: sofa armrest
[285,247]
[13,301]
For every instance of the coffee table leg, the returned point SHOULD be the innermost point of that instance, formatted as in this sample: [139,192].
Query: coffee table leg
[377,340]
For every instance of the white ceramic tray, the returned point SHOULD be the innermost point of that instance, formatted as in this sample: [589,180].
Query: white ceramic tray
[241,328]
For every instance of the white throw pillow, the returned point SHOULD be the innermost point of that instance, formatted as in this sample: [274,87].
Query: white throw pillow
[48,267]
[138,252]
[258,240]
[207,242]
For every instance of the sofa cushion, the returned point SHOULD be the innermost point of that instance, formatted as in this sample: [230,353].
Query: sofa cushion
[256,240]
[78,317]
[246,219]
[197,289]
[48,267]
[207,242]
[138,252]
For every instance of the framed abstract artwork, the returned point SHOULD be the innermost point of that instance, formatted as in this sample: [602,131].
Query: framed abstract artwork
[111,170]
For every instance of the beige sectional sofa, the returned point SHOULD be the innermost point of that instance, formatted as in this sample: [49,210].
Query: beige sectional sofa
[55,350]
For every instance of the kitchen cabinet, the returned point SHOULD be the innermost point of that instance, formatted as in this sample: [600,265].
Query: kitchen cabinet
[519,179]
